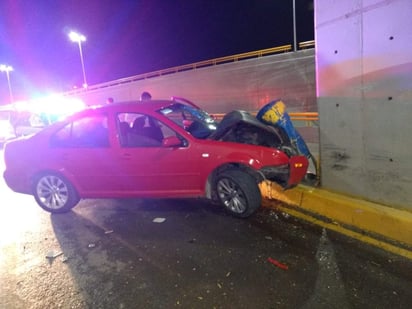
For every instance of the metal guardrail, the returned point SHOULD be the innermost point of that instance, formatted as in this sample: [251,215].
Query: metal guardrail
[304,116]
[297,116]
[307,44]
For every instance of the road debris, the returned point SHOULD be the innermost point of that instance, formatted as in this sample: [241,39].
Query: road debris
[53,255]
[285,215]
[159,220]
[278,264]
[108,231]
[91,245]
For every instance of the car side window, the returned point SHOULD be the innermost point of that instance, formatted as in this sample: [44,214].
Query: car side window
[139,130]
[87,132]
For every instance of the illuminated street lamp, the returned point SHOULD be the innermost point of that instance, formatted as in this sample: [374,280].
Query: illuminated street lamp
[8,69]
[79,38]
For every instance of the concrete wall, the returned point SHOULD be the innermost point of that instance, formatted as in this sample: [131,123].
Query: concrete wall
[364,89]
[247,84]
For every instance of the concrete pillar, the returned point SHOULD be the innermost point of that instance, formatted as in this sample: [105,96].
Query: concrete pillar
[364,91]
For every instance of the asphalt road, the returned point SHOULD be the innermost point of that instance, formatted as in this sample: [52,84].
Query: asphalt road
[185,254]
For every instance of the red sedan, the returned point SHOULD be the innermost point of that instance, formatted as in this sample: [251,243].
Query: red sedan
[154,149]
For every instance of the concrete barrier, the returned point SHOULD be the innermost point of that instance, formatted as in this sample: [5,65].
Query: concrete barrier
[379,225]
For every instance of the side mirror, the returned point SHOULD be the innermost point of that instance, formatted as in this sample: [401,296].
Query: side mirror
[171,141]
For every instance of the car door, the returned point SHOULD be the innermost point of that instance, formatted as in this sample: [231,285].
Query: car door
[147,168]
[83,151]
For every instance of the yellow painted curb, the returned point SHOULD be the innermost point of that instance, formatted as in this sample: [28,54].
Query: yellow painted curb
[392,224]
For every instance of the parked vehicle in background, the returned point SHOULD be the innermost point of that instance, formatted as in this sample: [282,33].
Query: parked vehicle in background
[28,123]
[29,117]
[6,128]
[156,149]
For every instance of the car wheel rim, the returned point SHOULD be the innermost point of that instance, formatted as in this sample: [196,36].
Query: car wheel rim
[52,192]
[231,196]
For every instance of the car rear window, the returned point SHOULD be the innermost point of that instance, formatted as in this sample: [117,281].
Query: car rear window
[89,132]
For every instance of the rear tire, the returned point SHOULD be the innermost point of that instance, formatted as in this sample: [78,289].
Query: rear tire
[54,193]
[238,192]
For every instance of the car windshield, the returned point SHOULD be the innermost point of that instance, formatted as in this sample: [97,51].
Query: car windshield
[196,121]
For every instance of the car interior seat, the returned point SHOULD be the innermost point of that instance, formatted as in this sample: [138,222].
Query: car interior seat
[147,127]
[124,129]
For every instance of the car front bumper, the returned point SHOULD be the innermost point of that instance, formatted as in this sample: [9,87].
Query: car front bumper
[287,175]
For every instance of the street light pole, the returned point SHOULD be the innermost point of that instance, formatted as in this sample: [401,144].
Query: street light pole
[79,38]
[294,26]
[8,69]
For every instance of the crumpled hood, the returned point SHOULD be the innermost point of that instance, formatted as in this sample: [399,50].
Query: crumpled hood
[242,127]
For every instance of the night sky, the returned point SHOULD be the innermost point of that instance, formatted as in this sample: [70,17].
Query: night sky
[129,37]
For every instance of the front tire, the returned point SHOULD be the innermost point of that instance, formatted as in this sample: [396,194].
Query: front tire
[238,192]
[54,193]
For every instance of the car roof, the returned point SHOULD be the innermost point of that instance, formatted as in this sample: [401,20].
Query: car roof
[150,105]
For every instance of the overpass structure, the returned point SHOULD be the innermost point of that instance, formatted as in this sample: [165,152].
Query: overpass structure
[245,81]
[359,79]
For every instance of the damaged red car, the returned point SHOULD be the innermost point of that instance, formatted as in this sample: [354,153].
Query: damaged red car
[156,149]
